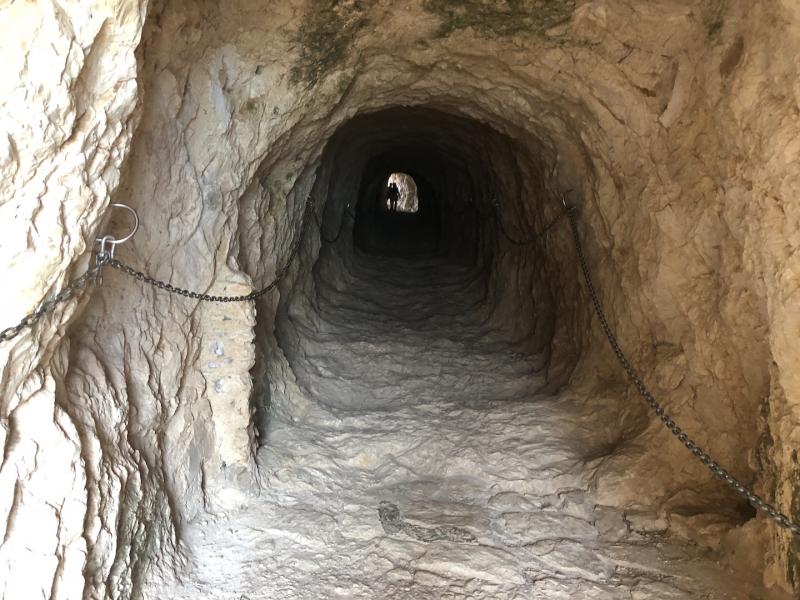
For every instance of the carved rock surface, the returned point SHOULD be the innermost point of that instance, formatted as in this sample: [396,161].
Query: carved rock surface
[132,420]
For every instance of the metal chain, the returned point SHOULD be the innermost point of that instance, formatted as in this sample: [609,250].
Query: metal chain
[531,239]
[168,287]
[48,306]
[346,213]
[107,259]
[668,421]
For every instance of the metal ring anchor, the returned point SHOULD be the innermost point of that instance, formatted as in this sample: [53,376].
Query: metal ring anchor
[108,243]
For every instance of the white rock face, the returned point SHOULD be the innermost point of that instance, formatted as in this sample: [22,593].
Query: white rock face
[127,423]
[68,99]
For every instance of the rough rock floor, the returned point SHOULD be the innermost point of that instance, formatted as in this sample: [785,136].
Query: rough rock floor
[446,477]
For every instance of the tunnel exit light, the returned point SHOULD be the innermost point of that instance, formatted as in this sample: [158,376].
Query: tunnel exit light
[403,196]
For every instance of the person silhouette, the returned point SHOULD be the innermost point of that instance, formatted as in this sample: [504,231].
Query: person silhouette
[394,196]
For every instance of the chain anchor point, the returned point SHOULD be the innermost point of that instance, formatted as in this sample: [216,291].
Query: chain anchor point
[108,243]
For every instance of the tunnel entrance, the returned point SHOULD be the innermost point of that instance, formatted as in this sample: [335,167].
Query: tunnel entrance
[460,308]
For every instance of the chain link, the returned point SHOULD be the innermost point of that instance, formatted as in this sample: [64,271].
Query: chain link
[168,287]
[106,259]
[662,414]
[48,306]
[535,237]
[346,214]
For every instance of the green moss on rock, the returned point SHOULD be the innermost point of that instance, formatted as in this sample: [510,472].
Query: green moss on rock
[500,17]
[326,32]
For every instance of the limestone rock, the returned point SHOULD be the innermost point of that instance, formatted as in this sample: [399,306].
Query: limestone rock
[129,416]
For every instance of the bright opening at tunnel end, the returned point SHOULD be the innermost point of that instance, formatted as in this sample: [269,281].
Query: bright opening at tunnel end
[401,194]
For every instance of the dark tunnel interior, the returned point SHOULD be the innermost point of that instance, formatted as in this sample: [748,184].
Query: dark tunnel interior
[471,178]
[428,145]
[380,231]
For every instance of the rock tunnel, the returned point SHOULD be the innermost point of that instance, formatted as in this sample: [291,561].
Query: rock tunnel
[424,405]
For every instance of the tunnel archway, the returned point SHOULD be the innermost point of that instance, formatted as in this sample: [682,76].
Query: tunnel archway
[466,171]
[526,295]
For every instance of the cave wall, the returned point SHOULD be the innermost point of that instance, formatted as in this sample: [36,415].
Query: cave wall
[675,124]
[69,103]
